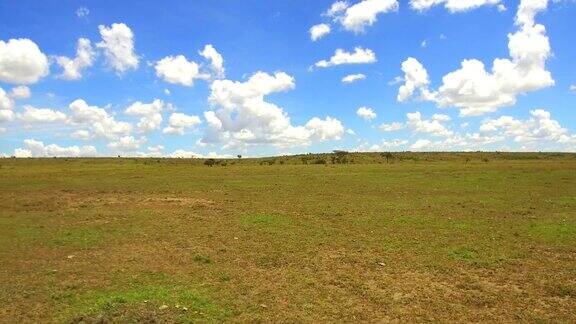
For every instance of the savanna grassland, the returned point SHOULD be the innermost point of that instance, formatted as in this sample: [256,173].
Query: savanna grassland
[420,237]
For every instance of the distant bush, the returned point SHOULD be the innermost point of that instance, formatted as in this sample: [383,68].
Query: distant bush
[320,161]
[339,157]
[210,162]
[388,156]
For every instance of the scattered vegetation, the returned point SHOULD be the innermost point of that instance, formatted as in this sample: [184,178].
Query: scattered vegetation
[335,237]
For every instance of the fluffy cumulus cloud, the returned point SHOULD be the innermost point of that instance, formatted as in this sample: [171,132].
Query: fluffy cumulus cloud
[366,113]
[178,70]
[179,122]
[360,15]
[215,59]
[41,115]
[126,144]
[391,127]
[319,31]
[96,122]
[389,145]
[118,46]
[6,115]
[476,91]
[6,105]
[415,78]
[20,92]
[325,129]
[22,62]
[150,114]
[183,154]
[34,148]
[353,78]
[359,56]
[242,116]
[434,126]
[455,5]
[539,127]
[6,102]
[538,132]
[72,68]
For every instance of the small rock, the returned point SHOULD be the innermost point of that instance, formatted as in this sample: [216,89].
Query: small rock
[163,307]
[263,306]
[71,256]
[235,238]
[185,309]
[381,264]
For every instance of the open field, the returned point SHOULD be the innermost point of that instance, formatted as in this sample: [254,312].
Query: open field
[426,237]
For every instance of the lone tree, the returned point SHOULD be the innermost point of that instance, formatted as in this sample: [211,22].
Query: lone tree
[339,157]
[388,156]
[239,156]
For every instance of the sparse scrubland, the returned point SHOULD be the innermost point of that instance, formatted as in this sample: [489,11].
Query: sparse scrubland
[312,238]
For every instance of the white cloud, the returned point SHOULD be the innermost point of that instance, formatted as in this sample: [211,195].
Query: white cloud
[392,127]
[216,60]
[190,155]
[319,31]
[336,8]
[6,115]
[359,56]
[150,113]
[126,144]
[22,62]
[539,127]
[441,117]
[453,5]
[324,130]
[72,68]
[432,126]
[243,117]
[20,92]
[183,154]
[415,78]
[97,120]
[360,15]
[34,148]
[353,77]
[41,115]
[476,91]
[178,70]
[118,45]
[6,102]
[421,144]
[178,123]
[82,12]
[366,113]
[573,87]
[155,151]
[385,145]
[81,134]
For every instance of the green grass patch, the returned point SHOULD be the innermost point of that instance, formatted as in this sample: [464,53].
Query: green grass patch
[82,238]
[555,232]
[139,302]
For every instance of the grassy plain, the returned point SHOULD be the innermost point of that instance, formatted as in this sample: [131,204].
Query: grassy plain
[426,237]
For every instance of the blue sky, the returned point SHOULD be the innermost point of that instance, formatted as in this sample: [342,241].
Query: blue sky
[426,81]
